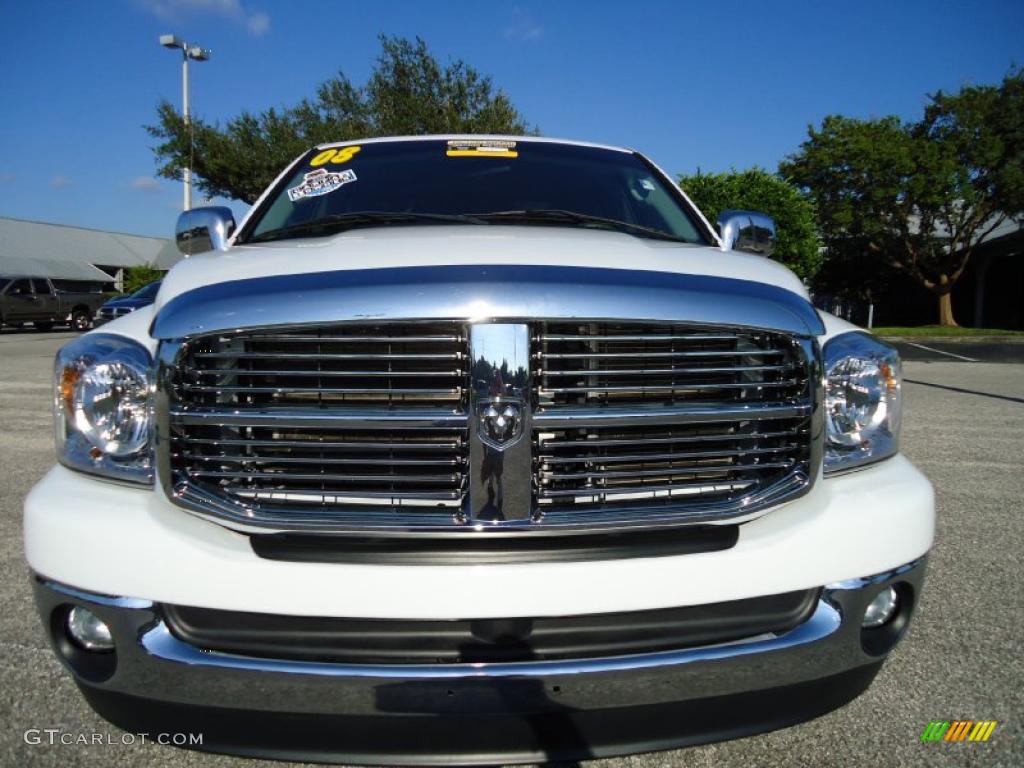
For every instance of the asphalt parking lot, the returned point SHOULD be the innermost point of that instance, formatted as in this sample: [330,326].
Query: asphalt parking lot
[963,425]
[965,351]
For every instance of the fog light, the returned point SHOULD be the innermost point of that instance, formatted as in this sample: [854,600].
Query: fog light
[881,609]
[88,630]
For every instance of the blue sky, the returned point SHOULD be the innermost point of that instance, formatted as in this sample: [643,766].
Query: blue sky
[691,84]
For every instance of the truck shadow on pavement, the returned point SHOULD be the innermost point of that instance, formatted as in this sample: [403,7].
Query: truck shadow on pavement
[965,391]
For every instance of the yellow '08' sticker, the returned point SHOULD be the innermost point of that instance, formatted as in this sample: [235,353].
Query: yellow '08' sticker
[334,156]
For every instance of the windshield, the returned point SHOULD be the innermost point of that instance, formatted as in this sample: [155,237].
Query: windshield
[147,292]
[473,181]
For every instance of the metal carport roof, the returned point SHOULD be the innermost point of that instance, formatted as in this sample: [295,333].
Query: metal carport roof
[12,265]
[59,251]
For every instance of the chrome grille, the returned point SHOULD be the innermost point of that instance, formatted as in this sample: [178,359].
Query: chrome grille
[334,418]
[366,427]
[645,414]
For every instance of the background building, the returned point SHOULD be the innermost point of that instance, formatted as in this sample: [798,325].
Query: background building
[37,249]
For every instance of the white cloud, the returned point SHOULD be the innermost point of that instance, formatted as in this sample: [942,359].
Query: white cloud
[523,27]
[60,181]
[145,183]
[256,22]
[6,178]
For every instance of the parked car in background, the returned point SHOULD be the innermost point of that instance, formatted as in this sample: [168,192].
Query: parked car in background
[44,302]
[122,305]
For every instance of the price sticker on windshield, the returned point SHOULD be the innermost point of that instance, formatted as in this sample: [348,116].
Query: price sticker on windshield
[481,148]
[320,182]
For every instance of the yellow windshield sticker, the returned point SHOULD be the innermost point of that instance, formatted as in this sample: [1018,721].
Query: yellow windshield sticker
[481,148]
[334,156]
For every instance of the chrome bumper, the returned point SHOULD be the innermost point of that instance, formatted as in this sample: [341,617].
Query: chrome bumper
[819,666]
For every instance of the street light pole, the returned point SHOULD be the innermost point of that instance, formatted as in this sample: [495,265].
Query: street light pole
[198,54]
[184,115]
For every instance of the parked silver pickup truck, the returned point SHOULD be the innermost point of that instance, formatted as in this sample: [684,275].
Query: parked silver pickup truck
[39,301]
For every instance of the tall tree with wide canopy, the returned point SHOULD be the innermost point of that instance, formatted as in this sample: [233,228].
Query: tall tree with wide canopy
[409,92]
[919,196]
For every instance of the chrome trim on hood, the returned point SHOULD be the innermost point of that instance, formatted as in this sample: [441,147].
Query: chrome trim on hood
[478,293]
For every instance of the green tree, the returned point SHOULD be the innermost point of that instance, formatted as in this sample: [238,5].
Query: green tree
[137,277]
[409,92]
[918,197]
[798,246]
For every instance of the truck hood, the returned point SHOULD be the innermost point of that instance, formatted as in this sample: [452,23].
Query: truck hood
[441,245]
[483,272]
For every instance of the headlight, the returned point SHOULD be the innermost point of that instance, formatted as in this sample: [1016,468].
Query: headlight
[102,407]
[862,400]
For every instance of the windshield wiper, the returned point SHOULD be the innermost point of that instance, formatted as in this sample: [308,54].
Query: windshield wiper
[557,215]
[339,222]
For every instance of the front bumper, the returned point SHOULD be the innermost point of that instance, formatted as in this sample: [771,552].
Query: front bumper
[113,539]
[480,713]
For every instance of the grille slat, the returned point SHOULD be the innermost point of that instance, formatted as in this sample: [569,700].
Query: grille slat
[704,489]
[374,356]
[348,338]
[659,355]
[640,474]
[328,460]
[677,371]
[648,457]
[647,338]
[671,388]
[323,476]
[284,389]
[322,444]
[300,496]
[315,372]
[560,417]
[355,418]
[645,441]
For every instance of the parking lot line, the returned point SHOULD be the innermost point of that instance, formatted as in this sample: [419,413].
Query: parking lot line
[942,352]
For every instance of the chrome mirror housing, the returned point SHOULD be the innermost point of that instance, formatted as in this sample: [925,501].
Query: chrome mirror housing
[748,231]
[204,229]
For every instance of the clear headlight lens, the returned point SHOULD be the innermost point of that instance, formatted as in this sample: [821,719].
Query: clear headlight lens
[102,407]
[862,400]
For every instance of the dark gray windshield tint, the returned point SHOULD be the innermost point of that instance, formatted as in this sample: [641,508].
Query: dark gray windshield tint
[435,177]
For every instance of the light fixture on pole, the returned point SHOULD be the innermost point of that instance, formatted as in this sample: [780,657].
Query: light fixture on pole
[195,53]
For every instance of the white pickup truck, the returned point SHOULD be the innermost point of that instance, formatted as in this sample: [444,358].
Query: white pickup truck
[475,449]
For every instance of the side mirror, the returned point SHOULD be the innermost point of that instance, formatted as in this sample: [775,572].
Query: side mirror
[204,229]
[748,231]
